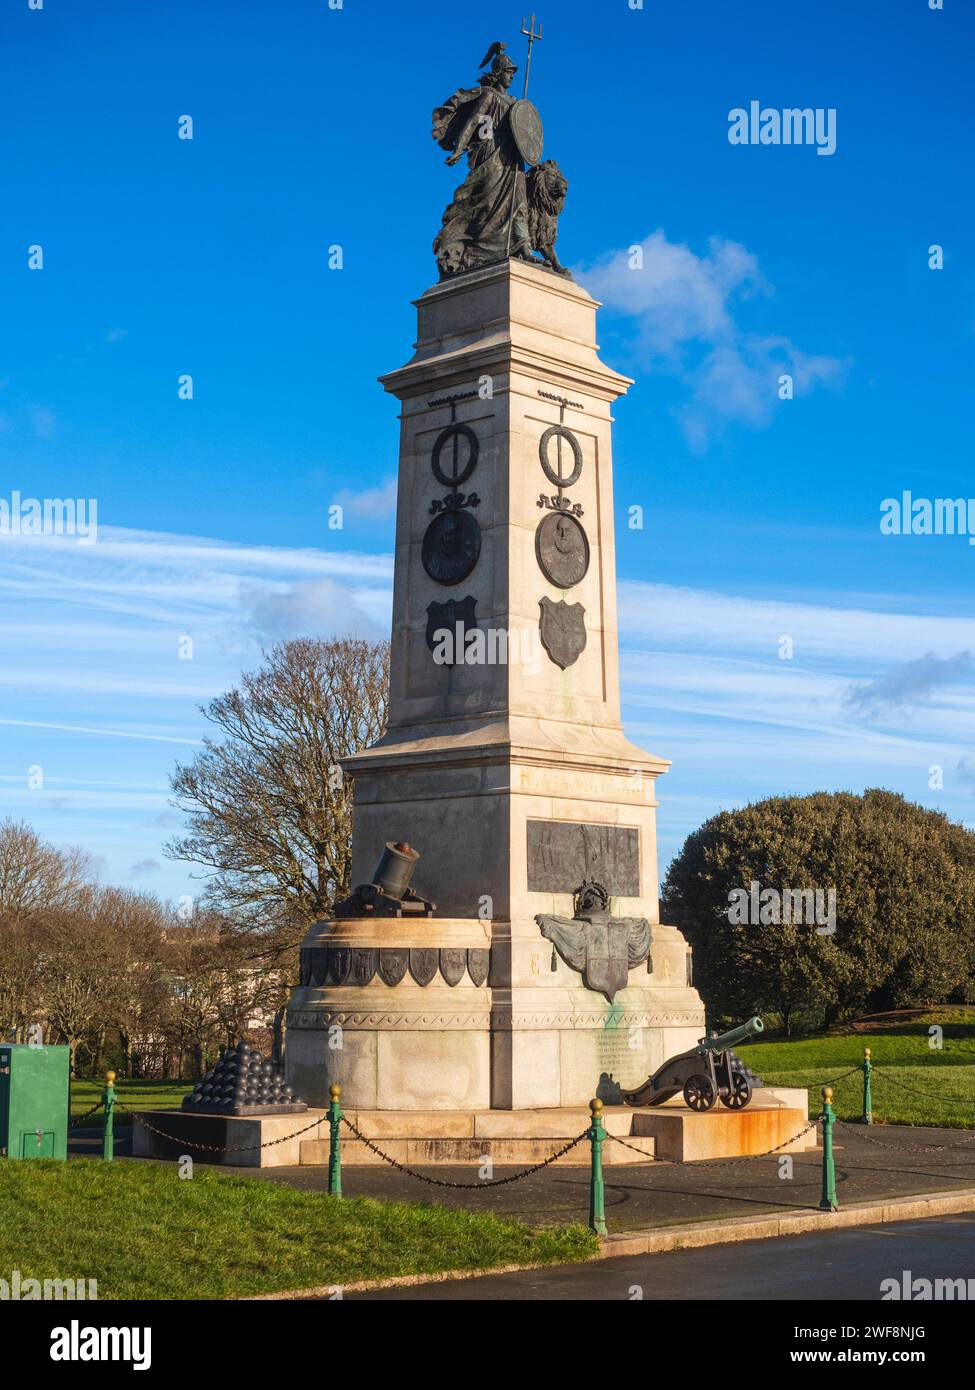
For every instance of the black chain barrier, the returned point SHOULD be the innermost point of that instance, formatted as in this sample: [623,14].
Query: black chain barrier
[467,1186]
[856,1129]
[860,1130]
[913,1090]
[836,1079]
[221,1148]
[73,1124]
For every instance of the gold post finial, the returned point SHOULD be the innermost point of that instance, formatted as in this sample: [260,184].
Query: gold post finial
[110,1078]
[335,1090]
[595,1106]
[827,1094]
[867,1053]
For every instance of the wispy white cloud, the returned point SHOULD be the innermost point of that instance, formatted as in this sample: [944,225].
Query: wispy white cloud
[312,608]
[372,503]
[910,683]
[93,635]
[686,309]
[684,619]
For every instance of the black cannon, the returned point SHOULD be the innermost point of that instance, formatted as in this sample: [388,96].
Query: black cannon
[706,1072]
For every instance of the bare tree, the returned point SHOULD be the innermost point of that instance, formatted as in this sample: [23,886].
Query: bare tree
[76,966]
[35,878]
[20,984]
[132,927]
[216,993]
[270,812]
[35,875]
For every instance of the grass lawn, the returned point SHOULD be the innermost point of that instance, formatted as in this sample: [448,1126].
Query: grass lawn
[141,1095]
[946,1076]
[144,1233]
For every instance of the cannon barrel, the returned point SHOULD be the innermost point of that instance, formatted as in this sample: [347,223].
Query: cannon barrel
[395,869]
[724,1041]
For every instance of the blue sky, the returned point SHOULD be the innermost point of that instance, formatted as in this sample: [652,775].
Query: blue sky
[165,256]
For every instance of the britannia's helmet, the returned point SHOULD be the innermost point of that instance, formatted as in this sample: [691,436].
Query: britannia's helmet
[500,62]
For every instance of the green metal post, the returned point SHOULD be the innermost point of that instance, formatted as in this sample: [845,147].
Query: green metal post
[334,1143]
[597,1192]
[108,1100]
[867,1088]
[828,1201]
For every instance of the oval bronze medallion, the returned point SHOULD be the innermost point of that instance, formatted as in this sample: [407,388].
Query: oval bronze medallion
[562,548]
[451,546]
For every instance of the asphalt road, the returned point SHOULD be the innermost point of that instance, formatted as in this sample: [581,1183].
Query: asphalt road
[833,1266]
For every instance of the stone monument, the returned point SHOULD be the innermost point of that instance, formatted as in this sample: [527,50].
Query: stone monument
[528,968]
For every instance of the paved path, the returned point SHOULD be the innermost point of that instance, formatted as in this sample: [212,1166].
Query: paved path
[827,1267]
[884,1161]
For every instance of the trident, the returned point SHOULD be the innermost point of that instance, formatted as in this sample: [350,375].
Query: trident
[531,36]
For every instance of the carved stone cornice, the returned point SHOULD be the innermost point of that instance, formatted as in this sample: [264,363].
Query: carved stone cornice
[495,1021]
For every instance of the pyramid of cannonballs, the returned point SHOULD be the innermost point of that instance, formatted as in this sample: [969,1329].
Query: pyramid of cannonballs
[243,1083]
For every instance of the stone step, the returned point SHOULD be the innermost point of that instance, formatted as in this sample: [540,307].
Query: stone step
[557,1123]
[424,1152]
[523,1137]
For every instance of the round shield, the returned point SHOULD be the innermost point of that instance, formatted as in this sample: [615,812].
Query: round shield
[526,131]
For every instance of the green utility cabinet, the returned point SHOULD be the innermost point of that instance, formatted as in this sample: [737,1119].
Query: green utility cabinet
[34,1101]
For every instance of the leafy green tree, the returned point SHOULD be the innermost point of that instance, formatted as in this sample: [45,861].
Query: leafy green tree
[903,929]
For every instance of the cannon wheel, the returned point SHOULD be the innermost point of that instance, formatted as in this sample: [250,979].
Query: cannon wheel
[699,1092]
[740,1094]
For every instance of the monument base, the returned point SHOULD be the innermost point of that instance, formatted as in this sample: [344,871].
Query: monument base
[483,1015]
[238,1141]
[520,1138]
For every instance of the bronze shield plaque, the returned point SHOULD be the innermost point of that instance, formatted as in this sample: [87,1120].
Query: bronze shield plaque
[478,963]
[453,963]
[449,616]
[423,963]
[339,965]
[393,961]
[314,966]
[607,966]
[562,550]
[562,628]
[365,963]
